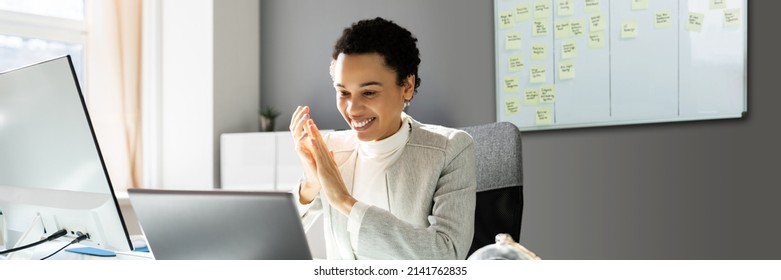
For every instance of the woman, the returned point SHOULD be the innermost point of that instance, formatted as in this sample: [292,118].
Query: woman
[391,187]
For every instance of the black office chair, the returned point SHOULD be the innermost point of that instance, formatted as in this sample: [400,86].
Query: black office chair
[499,205]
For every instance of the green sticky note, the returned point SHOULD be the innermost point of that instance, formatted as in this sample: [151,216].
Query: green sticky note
[577,26]
[592,6]
[515,63]
[629,29]
[639,4]
[562,29]
[541,9]
[597,22]
[512,105]
[663,19]
[537,74]
[717,4]
[511,85]
[566,70]
[596,40]
[538,51]
[531,97]
[569,50]
[547,94]
[544,116]
[565,8]
[732,18]
[695,22]
[506,20]
[522,12]
[540,27]
[512,41]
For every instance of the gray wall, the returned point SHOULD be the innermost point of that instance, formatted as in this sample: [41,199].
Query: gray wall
[693,190]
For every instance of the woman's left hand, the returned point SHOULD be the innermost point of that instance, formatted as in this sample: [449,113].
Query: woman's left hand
[328,172]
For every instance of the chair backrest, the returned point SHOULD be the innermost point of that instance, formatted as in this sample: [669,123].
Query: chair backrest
[499,205]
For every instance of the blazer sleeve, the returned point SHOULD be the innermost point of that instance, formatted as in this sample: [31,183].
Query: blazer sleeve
[381,235]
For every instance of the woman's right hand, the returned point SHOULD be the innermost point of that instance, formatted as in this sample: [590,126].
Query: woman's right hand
[310,186]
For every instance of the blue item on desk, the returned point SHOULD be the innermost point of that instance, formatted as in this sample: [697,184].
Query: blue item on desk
[143,249]
[92,251]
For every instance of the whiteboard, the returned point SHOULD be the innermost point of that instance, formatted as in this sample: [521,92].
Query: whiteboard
[582,63]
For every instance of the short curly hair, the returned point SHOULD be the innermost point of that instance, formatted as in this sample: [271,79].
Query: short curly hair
[394,43]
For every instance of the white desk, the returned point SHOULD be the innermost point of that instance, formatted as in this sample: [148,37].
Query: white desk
[43,250]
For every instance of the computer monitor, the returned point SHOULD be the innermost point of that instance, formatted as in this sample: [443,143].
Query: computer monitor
[52,173]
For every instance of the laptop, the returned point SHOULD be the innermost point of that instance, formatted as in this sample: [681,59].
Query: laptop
[220,225]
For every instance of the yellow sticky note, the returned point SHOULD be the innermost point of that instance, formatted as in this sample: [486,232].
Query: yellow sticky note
[522,12]
[596,40]
[506,20]
[577,26]
[515,63]
[511,85]
[531,97]
[566,70]
[547,94]
[718,4]
[565,8]
[537,74]
[596,22]
[541,9]
[629,29]
[732,18]
[538,51]
[540,28]
[569,50]
[592,6]
[639,4]
[512,105]
[544,116]
[512,41]
[695,22]
[562,29]
[662,19]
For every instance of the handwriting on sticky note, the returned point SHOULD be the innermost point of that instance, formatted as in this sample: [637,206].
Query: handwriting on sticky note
[639,4]
[718,4]
[694,22]
[562,29]
[592,6]
[596,23]
[515,63]
[732,18]
[531,97]
[512,105]
[511,85]
[629,29]
[566,70]
[547,94]
[512,41]
[565,8]
[577,26]
[540,28]
[596,40]
[541,9]
[538,51]
[544,116]
[662,19]
[522,12]
[569,50]
[506,20]
[537,74]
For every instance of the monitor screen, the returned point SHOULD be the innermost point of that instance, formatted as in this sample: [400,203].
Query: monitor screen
[52,174]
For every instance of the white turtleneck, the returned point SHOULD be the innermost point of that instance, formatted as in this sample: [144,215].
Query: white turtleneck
[369,185]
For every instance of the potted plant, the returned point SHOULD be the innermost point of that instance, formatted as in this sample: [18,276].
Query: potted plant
[267,117]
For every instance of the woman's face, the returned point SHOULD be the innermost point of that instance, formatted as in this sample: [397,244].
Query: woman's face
[368,96]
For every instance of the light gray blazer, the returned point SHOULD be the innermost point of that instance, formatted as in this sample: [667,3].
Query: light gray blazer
[431,193]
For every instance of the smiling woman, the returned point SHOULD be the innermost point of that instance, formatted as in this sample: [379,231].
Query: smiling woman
[399,189]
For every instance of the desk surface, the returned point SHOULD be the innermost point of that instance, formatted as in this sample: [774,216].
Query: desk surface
[43,250]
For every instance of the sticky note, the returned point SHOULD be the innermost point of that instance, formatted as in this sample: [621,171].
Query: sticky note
[506,20]
[717,4]
[695,22]
[522,12]
[512,41]
[538,51]
[562,29]
[662,19]
[515,63]
[541,9]
[547,94]
[512,105]
[511,85]
[596,40]
[566,70]
[569,50]
[732,18]
[537,74]
[596,22]
[592,6]
[565,8]
[531,96]
[544,116]
[540,28]
[577,26]
[639,4]
[629,29]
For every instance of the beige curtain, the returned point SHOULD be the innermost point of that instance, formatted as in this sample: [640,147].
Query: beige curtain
[114,86]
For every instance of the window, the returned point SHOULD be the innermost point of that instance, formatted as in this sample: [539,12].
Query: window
[37,30]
